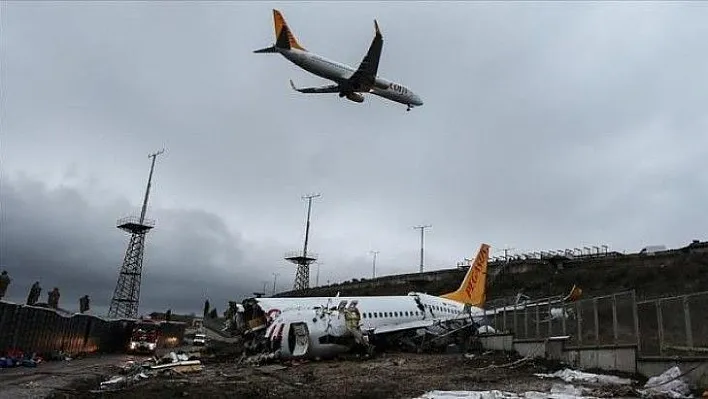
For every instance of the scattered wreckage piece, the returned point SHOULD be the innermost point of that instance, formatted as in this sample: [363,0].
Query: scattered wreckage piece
[668,384]
[134,372]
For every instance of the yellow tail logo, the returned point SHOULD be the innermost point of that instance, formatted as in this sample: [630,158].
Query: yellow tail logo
[473,289]
[283,36]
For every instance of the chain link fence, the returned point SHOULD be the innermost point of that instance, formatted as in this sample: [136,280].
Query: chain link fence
[674,326]
[604,320]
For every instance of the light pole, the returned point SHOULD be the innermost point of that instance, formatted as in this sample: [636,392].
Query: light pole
[275,278]
[373,263]
[317,276]
[422,234]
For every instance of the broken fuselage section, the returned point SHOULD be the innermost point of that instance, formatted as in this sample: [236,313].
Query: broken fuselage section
[309,330]
[300,331]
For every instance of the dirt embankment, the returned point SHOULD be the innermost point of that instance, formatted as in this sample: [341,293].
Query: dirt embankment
[678,272]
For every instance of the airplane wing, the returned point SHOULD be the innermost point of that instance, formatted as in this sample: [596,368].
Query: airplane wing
[416,324]
[365,75]
[322,89]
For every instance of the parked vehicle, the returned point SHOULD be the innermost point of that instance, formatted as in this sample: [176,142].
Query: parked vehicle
[144,337]
[200,339]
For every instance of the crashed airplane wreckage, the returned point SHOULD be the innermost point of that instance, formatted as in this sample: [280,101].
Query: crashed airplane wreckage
[322,327]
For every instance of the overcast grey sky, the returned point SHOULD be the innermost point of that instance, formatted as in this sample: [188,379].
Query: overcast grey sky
[545,126]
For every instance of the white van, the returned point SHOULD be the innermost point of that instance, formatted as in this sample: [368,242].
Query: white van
[199,339]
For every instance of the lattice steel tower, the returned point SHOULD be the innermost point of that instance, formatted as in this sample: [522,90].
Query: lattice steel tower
[126,296]
[304,259]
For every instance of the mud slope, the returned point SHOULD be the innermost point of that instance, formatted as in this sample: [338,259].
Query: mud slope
[674,272]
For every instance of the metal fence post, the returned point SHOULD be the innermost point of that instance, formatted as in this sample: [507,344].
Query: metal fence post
[538,323]
[660,326]
[614,319]
[597,321]
[526,321]
[515,329]
[550,320]
[687,320]
[563,316]
[580,322]
[635,314]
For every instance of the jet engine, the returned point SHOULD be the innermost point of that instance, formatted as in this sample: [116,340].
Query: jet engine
[356,97]
[315,333]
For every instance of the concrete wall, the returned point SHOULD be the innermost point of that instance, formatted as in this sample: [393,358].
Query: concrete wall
[611,358]
[615,358]
[530,348]
[498,342]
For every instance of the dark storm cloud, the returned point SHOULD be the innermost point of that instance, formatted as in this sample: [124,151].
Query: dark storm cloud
[545,125]
[58,237]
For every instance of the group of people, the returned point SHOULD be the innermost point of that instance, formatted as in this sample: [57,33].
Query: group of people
[36,290]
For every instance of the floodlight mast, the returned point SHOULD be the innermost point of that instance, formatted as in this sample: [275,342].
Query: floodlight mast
[422,234]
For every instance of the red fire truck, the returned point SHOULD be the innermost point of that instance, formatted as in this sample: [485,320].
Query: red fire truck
[144,337]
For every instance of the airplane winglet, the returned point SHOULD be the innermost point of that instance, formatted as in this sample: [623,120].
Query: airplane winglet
[293,85]
[376,25]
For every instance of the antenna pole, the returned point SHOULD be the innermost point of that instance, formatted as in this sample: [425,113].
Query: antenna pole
[307,226]
[149,183]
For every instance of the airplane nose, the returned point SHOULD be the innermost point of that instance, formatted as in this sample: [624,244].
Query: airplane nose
[418,101]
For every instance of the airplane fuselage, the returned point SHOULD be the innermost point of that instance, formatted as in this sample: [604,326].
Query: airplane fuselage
[339,73]
[379,311]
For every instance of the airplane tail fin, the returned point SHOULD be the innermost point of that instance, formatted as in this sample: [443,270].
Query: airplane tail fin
[283,35]
[575,294]
[473,289]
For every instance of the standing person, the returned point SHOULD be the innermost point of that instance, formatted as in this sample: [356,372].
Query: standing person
[83,304]
[4,282]
[53,298]
[34,292]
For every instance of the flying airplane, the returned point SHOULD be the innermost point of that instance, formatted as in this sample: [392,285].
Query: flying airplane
[313,327]
[349,82]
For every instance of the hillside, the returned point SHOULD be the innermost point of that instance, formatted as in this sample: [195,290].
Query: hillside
[665,273]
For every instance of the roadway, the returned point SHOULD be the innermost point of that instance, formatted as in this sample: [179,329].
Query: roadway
[40,381]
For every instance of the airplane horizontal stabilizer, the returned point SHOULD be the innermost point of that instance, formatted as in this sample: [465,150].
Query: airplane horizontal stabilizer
[270,49]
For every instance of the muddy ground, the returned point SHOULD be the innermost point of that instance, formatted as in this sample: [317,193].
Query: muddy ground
[393,375]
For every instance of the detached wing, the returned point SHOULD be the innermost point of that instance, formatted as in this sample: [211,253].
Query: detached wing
[363,78]
[321,89]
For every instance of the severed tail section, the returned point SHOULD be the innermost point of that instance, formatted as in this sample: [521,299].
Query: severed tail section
[472,291]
